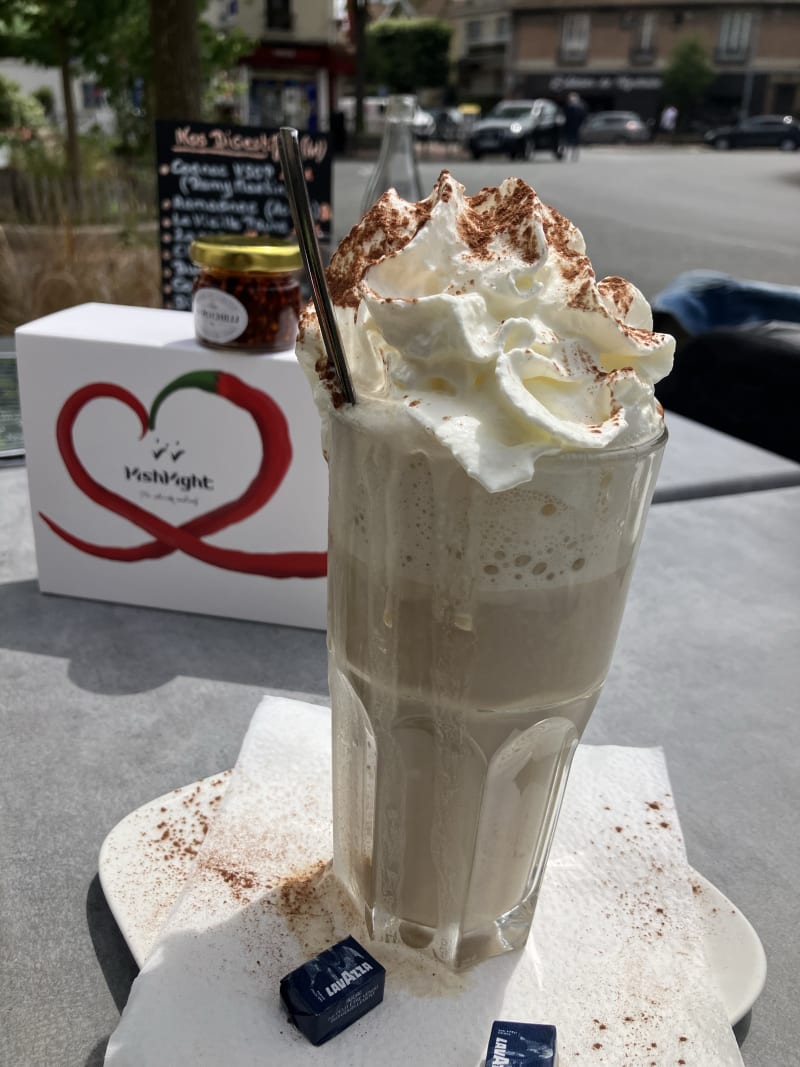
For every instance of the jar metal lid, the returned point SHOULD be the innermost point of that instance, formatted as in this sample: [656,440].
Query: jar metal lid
[240,253]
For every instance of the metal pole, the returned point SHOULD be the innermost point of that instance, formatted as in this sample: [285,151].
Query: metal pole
[749,74]
[360,13]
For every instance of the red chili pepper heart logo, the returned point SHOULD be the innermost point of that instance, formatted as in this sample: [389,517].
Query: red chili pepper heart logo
[275,460]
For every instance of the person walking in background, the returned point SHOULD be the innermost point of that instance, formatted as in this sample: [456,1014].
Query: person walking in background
[668,121]
[574,115]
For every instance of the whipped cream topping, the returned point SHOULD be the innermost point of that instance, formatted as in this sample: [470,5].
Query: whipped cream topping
[482,319]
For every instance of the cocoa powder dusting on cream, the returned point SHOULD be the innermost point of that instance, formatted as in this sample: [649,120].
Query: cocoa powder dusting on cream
[488,216]
[561,237]
[620,292]
[504,226]
[330,379]
[645,338]
[384,231]
[583,298]
[386,228]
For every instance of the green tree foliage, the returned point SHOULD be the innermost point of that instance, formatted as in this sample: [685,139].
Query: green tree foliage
[688,74]
[47,98]
[404,55]
[54,33]
[111,40]
[18,111]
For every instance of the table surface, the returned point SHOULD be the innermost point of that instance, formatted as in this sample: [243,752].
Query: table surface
[104,707]
[701,462]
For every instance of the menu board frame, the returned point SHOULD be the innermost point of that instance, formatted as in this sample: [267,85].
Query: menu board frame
[221,178]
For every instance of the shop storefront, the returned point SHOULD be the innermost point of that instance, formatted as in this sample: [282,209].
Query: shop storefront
[731,93]
[600,91]
[726,97]
[294,85]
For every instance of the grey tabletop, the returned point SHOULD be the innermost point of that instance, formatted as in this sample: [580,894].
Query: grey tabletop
[104,707]
[701,462]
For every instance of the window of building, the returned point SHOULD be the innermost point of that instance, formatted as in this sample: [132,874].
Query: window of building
[575,31]
[646,31]
[92,96]
[474,30]
[502,27]
[279,14]
[643,40]
[734,35]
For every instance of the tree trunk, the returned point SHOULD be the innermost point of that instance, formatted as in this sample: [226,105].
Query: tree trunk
[360,41]
[177,76]
[13,298]
[72,144]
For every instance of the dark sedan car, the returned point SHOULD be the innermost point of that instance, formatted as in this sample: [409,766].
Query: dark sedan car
[759,131]
[518,128]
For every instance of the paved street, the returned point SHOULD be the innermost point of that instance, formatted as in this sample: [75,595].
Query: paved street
[648,213]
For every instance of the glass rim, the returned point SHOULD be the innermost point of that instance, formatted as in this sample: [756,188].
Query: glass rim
[590,455]
[357,421]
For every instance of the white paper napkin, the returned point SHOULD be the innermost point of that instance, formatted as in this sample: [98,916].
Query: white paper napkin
[615,959]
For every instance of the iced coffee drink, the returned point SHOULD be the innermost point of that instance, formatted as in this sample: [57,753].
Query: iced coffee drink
[487,497]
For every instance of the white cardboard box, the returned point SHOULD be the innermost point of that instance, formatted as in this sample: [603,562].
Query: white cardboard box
[93,460]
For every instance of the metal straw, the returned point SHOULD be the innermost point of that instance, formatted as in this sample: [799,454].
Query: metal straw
[289,149]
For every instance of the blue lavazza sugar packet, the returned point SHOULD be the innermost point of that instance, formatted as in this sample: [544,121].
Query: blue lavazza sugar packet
[326,994]
[522,1045]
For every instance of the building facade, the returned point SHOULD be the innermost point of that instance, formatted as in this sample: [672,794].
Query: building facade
[89,102]
[614,54]
[292,76]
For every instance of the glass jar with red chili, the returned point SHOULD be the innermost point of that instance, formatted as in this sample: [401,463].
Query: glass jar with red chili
[247,294]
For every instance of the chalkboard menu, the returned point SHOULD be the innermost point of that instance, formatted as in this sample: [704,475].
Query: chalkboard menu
[226,179]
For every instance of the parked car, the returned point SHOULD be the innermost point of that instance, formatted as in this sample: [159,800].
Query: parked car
[449,123]
[614,127]
[758,131]
[424,124]
[518,127]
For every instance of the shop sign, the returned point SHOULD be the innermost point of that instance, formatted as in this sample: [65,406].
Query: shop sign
[215,178]
[623,83]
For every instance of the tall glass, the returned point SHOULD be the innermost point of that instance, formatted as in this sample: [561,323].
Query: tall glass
[470,634]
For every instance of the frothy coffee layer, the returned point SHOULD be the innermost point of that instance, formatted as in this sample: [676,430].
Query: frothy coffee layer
[560,528]
[481,317]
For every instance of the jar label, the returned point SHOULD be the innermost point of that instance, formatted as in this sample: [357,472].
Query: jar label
[218,316]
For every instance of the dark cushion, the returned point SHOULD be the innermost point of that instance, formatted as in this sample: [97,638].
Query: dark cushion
[743,381]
